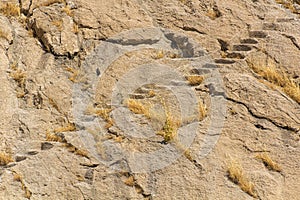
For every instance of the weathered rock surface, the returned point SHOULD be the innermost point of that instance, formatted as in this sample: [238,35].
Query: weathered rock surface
[61,60]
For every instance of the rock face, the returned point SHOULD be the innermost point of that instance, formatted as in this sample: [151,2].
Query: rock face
[173,99]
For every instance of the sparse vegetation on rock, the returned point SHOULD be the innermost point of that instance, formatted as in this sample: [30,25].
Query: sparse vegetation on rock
[205,79]
[236,174]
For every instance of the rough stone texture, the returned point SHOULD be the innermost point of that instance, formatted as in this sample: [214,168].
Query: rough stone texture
[54,46]
[55,29]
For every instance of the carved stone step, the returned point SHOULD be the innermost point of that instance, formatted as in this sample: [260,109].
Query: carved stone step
[258,34]
[224,61]
[284,19]
[236,55]
[210,66]
[137,96]
[270,26]
[142,90]
[179,83]
[199,71]
[241,47]
[249,41]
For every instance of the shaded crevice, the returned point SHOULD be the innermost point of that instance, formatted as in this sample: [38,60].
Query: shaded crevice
[193,29]
[133,183]
[224,45]
[196,164]
[285,127]
[293,40]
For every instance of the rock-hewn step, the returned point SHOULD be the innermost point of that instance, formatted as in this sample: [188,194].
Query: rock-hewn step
[179,83]
[241,47]
[270,26]
[142,90]
[224,61]
[199,71]
[236,55]
[210,66]
[249,41]
[258,34]
[285,19]
[137,96]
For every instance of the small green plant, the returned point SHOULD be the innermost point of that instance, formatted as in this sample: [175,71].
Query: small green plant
[169,130]
[171,124]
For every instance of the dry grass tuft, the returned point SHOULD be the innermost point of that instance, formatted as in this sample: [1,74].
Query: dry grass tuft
[69,127]
[71,148]
[104,113]
[279,78]
[159,55]
[58,24]
[19,76]
[19,178]
[53,137]
[202,110]
[137,107]
[27,193]
[10,10]
[188,155]
[195,80]
[75,28]
[151,94]
[288,4]
[169,130]
[5,159]
[3,34]
[293,90]
[213,13]
[68,11]
[130,181]
[81,152]
[236,175]
[268,162]
[74,74]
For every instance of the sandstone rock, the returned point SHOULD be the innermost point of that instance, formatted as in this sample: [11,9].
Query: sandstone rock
[65,64]
[55,30]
